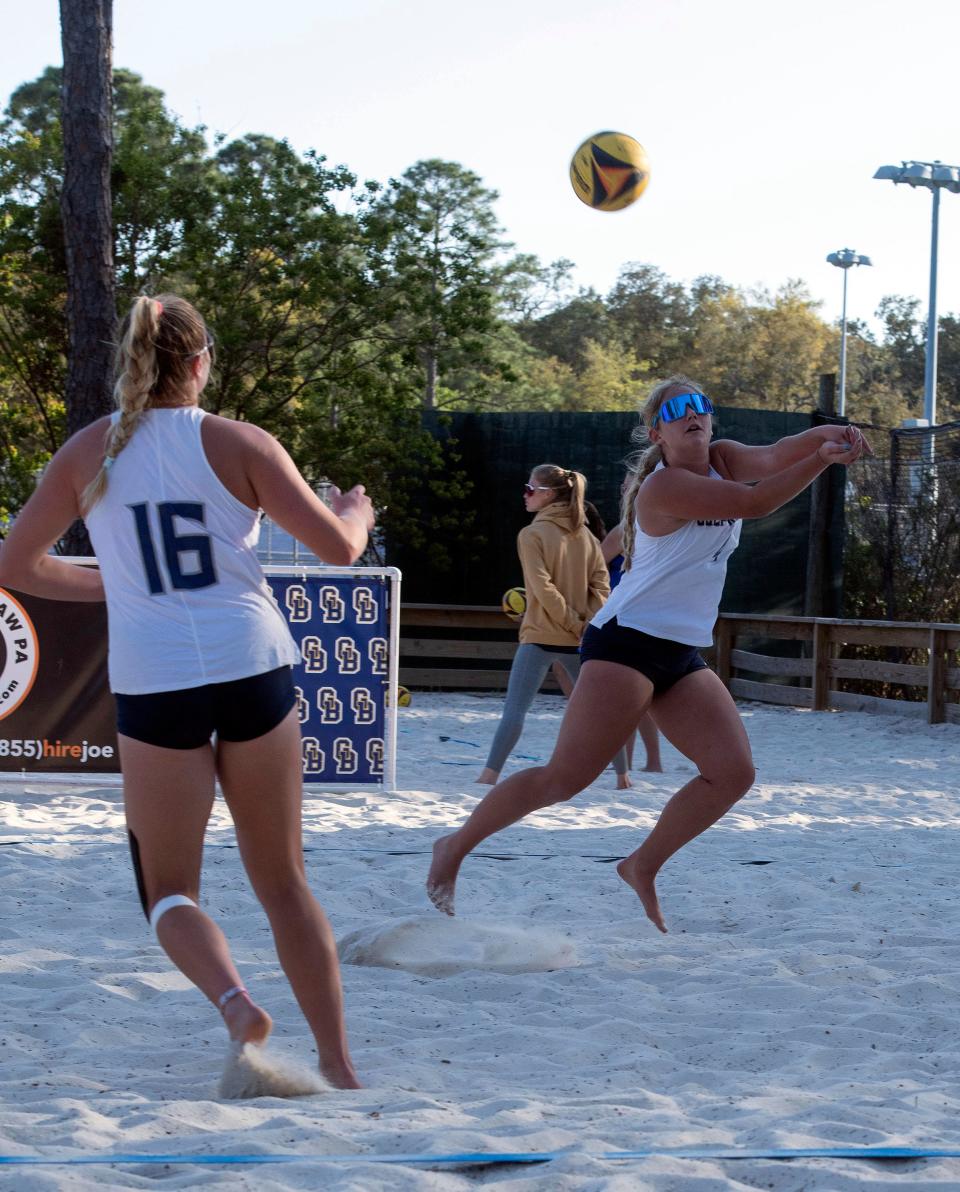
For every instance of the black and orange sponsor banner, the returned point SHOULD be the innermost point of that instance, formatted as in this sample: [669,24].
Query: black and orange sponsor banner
[56,711]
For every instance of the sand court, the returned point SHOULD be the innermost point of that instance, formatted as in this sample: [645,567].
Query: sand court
[806,995]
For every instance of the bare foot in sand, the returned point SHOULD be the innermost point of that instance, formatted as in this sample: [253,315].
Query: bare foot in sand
[246,1022]
[489,777]
[624,783]
[443,875]
[642,884]
[340,1075]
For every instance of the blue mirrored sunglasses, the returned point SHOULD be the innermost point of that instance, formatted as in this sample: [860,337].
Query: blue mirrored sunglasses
[675,407]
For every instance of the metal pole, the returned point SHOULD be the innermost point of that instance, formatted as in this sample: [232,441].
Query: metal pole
[930,367]
[842,410]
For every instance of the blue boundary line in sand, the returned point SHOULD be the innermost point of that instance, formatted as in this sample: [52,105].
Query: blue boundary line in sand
[484,1158]
[360,851]
[425,852]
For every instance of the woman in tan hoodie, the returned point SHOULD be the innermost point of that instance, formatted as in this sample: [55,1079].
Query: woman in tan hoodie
[566,582]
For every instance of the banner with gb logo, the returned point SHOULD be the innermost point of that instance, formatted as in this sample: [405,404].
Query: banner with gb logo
[58,714]
[346,623]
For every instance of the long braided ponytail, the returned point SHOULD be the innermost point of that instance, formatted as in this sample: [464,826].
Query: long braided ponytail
[159,339]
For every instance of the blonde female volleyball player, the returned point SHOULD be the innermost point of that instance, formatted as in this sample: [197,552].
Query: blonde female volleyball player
[171,498]
[682,517]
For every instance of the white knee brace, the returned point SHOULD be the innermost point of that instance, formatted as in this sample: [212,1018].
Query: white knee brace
[167,904]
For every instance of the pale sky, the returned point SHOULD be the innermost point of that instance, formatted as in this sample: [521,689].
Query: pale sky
[764,120]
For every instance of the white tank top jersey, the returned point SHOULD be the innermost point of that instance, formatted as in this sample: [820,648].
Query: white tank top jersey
[675,582]
[187,601]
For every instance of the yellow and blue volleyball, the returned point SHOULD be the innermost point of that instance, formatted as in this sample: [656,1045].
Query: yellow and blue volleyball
[403,697]
[514,603]
[610,171]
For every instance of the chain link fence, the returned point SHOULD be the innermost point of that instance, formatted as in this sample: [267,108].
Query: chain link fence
[903,527]
[902,557]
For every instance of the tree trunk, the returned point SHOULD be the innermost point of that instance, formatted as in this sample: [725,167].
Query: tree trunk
[430,389]
[86,33]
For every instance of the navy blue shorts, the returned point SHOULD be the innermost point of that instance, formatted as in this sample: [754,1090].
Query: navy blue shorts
[662,662]
[240,710]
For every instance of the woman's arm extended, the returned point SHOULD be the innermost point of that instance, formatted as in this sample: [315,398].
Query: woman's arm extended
[337,537]
[674,495]
[749,464]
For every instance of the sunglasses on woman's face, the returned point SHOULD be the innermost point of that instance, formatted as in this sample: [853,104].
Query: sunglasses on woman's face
[530,489]
[675,407]
[207,347]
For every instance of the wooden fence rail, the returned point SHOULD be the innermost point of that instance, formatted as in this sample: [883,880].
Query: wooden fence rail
[444,646]
[939,677]
[430,657]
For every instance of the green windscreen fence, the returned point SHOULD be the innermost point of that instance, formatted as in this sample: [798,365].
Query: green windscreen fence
[767,574]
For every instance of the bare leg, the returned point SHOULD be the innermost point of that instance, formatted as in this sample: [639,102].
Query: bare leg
[698,716]
[168,794]
[603,709]
[570,666]
[261,782]
[647,729]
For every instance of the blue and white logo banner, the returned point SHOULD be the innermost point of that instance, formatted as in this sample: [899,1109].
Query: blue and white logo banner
[341,625]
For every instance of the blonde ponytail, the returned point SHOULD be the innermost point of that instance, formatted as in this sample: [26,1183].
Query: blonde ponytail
[159,339]
[570,488]
[644,464]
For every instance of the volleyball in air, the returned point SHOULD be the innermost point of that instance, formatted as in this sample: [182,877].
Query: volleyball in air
[514,603]
[610,171]
[403,697]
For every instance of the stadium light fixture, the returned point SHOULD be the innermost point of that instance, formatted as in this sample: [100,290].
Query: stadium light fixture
[845,259]
[935,176]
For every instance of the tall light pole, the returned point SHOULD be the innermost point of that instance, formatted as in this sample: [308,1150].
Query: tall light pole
[935,176]
[844,259]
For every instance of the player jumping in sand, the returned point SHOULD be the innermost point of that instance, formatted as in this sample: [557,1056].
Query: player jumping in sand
[682,517]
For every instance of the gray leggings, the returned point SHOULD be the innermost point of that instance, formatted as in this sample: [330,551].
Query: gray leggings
[529,669]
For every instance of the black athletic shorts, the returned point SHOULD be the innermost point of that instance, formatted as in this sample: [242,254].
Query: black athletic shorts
[662,662]
[236,711]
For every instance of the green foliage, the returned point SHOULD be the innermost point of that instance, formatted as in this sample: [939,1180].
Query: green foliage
[32,290]
[762,350]
[313,332]
[563,332]
[438,238]
[650,316]
[342,309]
[948,372]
